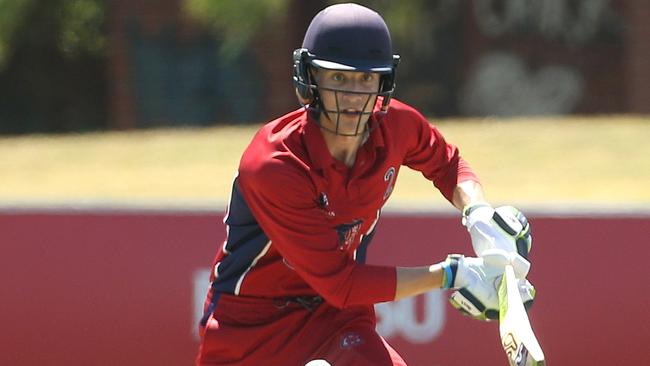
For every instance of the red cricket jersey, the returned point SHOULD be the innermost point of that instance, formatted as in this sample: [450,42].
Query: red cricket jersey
[299,222]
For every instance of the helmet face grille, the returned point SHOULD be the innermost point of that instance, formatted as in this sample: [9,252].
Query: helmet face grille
[309,92]
[335,114]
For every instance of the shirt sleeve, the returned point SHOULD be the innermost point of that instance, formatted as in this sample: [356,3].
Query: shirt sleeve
[429,153]
[284,202]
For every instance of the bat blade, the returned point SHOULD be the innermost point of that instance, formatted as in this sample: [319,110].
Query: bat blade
[517,337]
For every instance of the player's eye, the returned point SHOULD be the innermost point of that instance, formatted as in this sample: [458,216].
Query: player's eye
[367,77]
[338,77]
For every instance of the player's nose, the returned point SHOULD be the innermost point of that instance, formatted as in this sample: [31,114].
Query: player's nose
[353,97]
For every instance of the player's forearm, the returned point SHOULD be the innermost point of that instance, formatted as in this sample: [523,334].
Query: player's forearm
[466,193]
[413,281]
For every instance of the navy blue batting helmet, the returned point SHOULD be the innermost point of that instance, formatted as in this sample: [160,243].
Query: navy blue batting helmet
[346,37]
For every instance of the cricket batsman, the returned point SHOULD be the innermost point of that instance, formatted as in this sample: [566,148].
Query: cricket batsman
[290,284]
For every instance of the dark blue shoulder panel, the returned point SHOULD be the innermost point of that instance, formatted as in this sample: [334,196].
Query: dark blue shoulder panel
[244,243]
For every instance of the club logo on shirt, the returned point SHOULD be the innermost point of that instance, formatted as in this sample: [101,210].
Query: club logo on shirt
[348,233]
[389,177]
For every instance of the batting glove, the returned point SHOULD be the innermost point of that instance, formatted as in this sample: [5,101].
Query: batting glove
[477,281]
[504,228]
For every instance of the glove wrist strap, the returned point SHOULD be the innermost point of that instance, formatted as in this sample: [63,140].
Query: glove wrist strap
[449,267]
[476,212]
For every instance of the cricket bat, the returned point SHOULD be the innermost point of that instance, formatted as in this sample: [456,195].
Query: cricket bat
[517,337]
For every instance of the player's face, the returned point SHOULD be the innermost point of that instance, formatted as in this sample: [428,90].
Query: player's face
[350,93]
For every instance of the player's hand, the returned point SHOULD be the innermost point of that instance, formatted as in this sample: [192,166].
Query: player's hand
[478,280]
[460,271]
[504,228]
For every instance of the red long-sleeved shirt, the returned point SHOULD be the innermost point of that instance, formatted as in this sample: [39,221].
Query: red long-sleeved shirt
[299,221]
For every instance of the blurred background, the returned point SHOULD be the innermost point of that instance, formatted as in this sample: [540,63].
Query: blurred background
[88,65]
[122,123]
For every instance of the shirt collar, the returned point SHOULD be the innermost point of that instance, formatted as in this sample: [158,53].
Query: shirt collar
[376,126]
[315,143]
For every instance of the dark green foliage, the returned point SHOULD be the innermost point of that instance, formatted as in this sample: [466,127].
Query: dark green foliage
[52,66]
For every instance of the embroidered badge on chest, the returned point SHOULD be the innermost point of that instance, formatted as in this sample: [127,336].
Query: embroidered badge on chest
[348,233]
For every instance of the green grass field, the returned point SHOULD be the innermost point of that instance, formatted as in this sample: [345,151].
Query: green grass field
[536,161]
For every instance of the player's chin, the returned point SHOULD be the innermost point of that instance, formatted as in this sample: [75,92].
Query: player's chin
[352,123]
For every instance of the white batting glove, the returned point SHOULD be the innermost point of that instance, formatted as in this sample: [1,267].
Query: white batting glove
[478,279]
[461,271]
[504,228]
